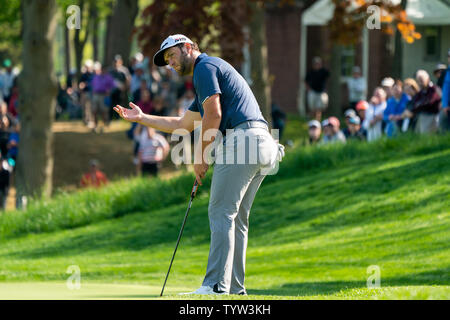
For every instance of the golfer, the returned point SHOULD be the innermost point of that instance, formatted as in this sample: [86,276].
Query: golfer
[224,102]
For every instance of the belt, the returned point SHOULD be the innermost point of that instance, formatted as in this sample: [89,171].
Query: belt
[251,124]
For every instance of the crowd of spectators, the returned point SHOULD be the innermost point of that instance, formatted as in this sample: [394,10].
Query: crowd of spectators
[157,91]
[9,127]
[90,97]
[99,88]
[396,106]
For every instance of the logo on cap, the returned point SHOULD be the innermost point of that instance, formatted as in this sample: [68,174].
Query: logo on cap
[164,44]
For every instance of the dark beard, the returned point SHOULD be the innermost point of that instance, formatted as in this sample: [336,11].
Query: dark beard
[183,64]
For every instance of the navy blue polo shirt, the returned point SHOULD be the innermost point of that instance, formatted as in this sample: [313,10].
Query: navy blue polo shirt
[214,75]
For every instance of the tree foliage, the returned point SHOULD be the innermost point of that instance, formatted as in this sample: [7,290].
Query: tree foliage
[207,22]
[91,12]
[350,18]
[37,87]
[10,30]
[165,17]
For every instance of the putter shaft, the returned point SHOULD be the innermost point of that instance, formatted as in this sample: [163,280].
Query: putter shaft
[193,193]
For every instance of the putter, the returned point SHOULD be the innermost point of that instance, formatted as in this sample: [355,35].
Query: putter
[193,192]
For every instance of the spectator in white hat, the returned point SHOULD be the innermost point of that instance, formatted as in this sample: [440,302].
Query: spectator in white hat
[349,113]
[331,131]
[314,131]
[387,84]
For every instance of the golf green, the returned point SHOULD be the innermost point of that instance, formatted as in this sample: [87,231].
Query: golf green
[319,229]
[53,290]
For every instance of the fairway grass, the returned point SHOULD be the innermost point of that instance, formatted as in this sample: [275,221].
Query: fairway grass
[316,229]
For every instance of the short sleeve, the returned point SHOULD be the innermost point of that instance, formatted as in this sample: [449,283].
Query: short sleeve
[194,107]
[207,81]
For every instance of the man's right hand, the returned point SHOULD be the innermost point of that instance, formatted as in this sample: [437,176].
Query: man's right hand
[134,114]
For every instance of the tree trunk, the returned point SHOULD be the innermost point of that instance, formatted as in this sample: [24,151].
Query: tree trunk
[95,25]
[66,49]
[120,26]
[106,39]
[259,62]
[79,42]
[334,91]
[37,87]
[232,16]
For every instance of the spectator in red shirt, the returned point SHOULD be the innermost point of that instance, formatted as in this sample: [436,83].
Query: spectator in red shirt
[94,177]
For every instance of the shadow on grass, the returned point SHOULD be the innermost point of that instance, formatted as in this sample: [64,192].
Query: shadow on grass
[323,288]
[429,278]
[348,197]
[126,296]
[277,205]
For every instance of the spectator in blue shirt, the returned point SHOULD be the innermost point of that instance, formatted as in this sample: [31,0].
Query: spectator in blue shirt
[444,117]
[395,106]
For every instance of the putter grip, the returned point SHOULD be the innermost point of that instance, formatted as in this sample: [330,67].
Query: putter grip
[194,189]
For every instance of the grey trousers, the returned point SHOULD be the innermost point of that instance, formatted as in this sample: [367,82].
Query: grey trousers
[233,190]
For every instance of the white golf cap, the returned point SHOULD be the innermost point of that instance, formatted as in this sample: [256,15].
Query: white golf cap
[350,113]
[355,120]
[173,40]
[313,123]
[387,82]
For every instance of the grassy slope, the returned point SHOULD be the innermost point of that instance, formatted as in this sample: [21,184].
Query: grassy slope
[315,228]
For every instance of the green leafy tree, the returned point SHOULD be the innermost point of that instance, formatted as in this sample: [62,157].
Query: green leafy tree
[91,12]
[10,31]
[212,24]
